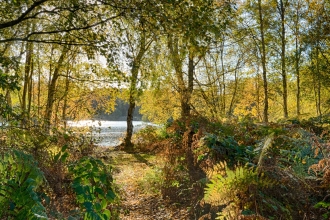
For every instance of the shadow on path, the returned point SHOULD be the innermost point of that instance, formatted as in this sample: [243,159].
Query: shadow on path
[141,159]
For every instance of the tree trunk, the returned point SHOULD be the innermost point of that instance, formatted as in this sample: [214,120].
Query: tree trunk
[231,106]
[190,89]
[39,83]
[297,60]
[281,10]
[258,95]
[128,145]
[65,98]
[223,87]
[263,61]
[30,92]
[185,92]
[318,77]
[27,77]
[52,89]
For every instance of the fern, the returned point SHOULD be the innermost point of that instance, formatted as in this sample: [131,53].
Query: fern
[20,179]
[233,189]
[265,148]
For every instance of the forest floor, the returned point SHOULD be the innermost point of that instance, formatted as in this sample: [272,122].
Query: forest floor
[138,179]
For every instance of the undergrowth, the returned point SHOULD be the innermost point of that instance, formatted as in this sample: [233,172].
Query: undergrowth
[48,175]
[273,171]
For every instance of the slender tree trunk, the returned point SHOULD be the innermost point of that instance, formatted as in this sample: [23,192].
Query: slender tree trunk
[258,95]
[315,94]
[30,92]
[65,101]
[39,83]
[27,73]
[191,70]
[318,73]
[263,61]
[318,78]
[297,60]
[281,10]
[223,80]
[52,89]
[231,107]
[223,87]
[133,91]
[184,92]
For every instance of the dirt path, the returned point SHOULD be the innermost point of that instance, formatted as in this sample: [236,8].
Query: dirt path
[138,180]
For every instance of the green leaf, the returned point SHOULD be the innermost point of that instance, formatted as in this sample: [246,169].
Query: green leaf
[107,214]
[99,191]
[57,156]
[322,204]
[103,204]
[64,148]
[64,156]
[247,212]
[111,195]
[88,206]
[98,207]
[79,189]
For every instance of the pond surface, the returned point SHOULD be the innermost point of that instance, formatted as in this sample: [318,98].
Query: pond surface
[106,133]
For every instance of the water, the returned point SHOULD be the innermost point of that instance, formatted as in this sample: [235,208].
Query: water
[107,133]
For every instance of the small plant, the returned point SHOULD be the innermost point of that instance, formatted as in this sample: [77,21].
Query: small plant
[20,179]
[92,184]
[226,147]
[152,181]
[325,206]
[233,189]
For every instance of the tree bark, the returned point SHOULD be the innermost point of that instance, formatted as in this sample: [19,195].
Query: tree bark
[231,106]
[185,92]
[65,98]
[297,60]
[128,145]
[318,77]
[281,9]
[223,84]
[30,91]
[27,77]
[263,61]
[52,89]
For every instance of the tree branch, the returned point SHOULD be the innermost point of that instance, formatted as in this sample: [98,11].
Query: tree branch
[26,38]
[23,16]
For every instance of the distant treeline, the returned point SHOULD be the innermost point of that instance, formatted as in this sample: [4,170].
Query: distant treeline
[120,113]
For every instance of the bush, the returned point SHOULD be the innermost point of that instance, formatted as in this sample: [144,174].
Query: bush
[234,189]
[92,184]
[20,179]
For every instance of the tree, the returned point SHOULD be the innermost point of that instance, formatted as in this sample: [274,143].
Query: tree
[282,8]
[42,24]
[195,25]
[297,15]
[67,17]
[263,61]
[143,44]
[52,87]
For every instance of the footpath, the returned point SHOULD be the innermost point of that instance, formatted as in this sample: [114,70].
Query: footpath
[138,184]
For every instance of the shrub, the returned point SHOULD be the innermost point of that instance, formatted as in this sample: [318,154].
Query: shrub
[234,189]
[92,184]
[20,178]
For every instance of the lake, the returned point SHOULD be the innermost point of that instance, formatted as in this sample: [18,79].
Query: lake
[107,133]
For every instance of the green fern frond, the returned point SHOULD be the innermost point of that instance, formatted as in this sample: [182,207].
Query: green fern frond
[230,188]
